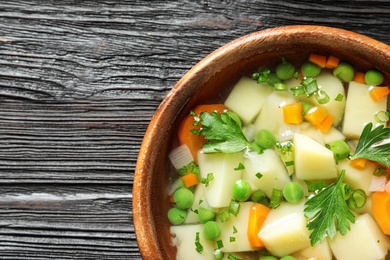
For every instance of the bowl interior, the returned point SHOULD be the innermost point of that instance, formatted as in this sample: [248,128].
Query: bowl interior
[209,81]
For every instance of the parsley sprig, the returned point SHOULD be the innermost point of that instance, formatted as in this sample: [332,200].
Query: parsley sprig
[374,145]
[328,212]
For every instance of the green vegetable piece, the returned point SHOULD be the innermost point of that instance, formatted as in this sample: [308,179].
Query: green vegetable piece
[357,199]
[288,257]
[276,198]
[340,149]
[260,197]
[344,72]
[372,145]
[177,216]
[222,132]
[310,69]
[268,257]
[310,86]
[241,190]
[224,215]
[293,192]
[322,97]
[306,106]
[286,153]
[205,215]
[218,254]
[234,207]
[183,198]
[265,138]
[199,247]
[211,230]
[373,77]
[285,70]
[328,212]
[235,117]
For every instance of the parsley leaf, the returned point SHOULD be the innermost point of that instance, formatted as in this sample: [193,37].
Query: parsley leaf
[328,212]
[222,132]
[374,145]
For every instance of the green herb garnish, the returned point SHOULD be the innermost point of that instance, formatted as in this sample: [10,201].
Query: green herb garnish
[328,212]
[374,145]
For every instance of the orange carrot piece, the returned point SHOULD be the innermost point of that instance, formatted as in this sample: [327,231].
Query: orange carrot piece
[359,77]
[257,215]
[292,113]
[318,59]
[377,93]
[316,115]
[190,179]
[195,142]
[381,210]
[358,163]
[326,124]
[332,62]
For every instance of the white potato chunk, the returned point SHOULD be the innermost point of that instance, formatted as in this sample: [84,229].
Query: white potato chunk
[360,109]
[247,98]
[284,230]
[222,167]
[270,166]
[333,133]
[357,178]
[364,241]
[271,115]
[183,237]
[236,227]
[318,252]
[313,161]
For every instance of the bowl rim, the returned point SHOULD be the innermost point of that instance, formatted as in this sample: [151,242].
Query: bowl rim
[142,215]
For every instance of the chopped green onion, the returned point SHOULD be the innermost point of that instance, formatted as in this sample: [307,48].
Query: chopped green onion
[224,215]
[232,257]
[220,244]
[306,106]
[234,207]
[260,197]
[357,199]
[296,75]
[234,230]
[239,167]
[310,86]
[382,116]
[279,86]
[289,163]
[276,198]
[339,97]
[380,171]
[321,97]
[232,239]
[195,132]
[198,245]
[298,90]
[206,181]
[218,254]
[259,175]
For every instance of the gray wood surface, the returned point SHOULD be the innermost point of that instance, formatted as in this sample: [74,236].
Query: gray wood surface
[79,82]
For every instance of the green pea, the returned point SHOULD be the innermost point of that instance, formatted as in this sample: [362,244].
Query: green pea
[268,257]
[293,192]
[285,70]
[344,72]
[183,198]
[177,216]
[287,257]
[259,196]
[265,138]
[235,117]
[373,77]
[241,190]
[340,149]
[205,215]
[211,230]
[310,69]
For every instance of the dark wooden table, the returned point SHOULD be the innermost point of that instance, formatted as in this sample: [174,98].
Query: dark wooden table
[79,82]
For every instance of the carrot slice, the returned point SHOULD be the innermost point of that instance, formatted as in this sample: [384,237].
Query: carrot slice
[195,142]
[358,163]
[318,59]
[316,115]
[377,93]
[326,124]
[190,179]
[332,62]
[359,77]
[381,210]
[257,215]
[292,113]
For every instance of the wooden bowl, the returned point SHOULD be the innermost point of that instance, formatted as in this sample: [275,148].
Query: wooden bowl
[209,81]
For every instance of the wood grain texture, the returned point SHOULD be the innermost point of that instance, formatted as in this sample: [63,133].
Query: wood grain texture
[79,82]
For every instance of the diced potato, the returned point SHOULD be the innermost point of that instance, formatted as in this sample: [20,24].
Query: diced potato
[360,109]
[247,98]
[364,241]
[271,115]
[318,252]
[357,178]
[218,192]
[270,166]
[312,160]
[183,237]
[236,227]
[333,133]
[332,87]
[199,201]
[284,230]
